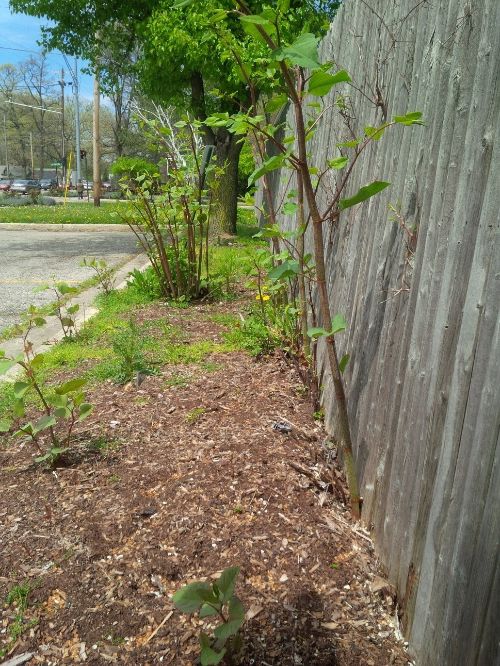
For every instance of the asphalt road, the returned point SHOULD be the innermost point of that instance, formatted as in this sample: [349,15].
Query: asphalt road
[29,259]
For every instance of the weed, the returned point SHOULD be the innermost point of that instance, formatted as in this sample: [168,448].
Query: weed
[128,346]
[319,415]
[177,380]
[238,509]
[195,414]
[18,597]
[215,599]
[114,478]
[211,366]
[104,273]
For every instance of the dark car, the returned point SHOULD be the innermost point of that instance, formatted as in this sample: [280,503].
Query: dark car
[21,186]
[48,184]
[5,184]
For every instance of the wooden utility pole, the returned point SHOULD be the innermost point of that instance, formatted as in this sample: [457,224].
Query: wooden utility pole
[96,145]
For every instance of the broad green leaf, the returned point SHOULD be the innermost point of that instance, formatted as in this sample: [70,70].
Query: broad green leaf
[209,657]
[72,385]
[316,332]
[26,429]
[236,619]
[338,162]
[73,309]
[287,269]
[6,365]
[276,103]
[364,193]
[271,164]
[67,321]
[20,388]
[45,422]
[413,118]
[256,19]
[191,597]
[41,459]
[303,52]
[321,82]
[338,324]
[62,413]
[64,288]
[207,611]
[4,425]
[39,321]
[343,362]
[85,410]
[374,133]
[226,582]
[290,208]
[18,408]
[349,144]
[37,361]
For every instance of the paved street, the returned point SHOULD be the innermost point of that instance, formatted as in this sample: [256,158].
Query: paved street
[30,258]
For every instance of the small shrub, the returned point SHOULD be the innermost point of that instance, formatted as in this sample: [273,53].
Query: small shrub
[146,282]
[128,345]
[210,600]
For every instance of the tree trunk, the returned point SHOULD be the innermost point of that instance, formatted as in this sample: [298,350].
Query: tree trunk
[225,183]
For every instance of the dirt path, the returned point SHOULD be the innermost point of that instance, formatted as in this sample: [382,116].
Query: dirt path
[187,476]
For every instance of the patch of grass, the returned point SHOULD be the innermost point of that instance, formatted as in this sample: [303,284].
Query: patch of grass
[195,414]
[18,598]
[102,445]
[196,352]
[210,366]
[177,380]
[251,336]
[224,319]
[71,213]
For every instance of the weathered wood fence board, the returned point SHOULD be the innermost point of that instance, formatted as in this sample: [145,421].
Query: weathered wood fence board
[424,382]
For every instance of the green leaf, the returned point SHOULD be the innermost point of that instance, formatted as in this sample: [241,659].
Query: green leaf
[321,82]
[374,133]
[363,194]
[287,269]
[303,52]
[39,321]
[290,208]
[45,422]
[72,385]
[37,361]
[6,365]
[26,429]
[73,309]
[18,408]
[65,289]
[338,163]
[62,413]
[5,425]
[316,332]
[276,103]
[191,597]
[209,657]
[236,619]
[207,611]
[68,322]
[227,581]
[85,410]
[41,459]
[343,362]
[274,162]
[349,144]
[413,118]
[338,324]
[20,388]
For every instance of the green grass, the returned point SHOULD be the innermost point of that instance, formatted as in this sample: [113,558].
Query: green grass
[18,599]
[70,213]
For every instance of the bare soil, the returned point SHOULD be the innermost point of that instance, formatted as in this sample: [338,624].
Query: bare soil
[172,481]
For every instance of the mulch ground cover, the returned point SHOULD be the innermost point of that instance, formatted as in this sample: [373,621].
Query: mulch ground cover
[172,481]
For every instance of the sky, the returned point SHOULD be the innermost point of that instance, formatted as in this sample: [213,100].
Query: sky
[18,41]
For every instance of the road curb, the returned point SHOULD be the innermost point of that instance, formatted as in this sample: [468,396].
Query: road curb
[27,226]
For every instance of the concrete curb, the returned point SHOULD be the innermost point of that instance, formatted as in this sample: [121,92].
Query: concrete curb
[19,226]
[44,338]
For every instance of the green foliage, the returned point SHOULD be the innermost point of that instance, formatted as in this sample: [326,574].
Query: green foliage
[146,282]
[61,310]
[128,346]
[130,168]
[104,273]
[71,213]
[210,600]
[63,407]
[18,599]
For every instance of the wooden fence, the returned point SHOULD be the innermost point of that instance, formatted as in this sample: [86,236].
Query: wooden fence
[419,286]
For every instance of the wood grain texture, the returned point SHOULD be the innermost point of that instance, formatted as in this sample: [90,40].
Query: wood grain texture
[423,382]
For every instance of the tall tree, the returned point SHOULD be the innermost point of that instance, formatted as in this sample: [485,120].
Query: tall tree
[183,60]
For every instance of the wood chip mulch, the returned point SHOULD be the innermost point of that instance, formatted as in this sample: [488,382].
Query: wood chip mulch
[187,477]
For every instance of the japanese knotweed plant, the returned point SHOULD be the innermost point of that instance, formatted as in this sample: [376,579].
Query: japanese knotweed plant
[217,601]
[62,406]
[290,73]
[64,313]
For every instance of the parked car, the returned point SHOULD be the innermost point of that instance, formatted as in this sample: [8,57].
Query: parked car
[25,186]
[5,184]
[48,184]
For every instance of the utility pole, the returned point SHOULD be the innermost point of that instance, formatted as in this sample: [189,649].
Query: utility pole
[96,144]
[5,141]
[77,121]
[63,147]
[32,161]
